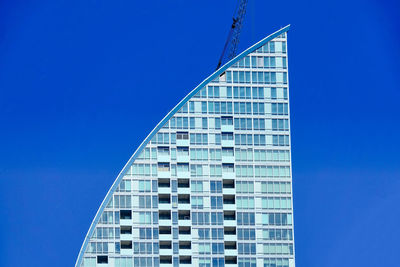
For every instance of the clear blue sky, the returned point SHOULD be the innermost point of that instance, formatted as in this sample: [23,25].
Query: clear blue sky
[83,82]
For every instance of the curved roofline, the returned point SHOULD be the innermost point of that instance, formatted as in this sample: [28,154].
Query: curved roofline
[160,125]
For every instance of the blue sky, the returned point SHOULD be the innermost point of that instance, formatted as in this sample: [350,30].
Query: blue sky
[82,83]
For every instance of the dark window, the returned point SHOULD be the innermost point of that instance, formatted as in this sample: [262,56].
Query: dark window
[102,259]
[126,214]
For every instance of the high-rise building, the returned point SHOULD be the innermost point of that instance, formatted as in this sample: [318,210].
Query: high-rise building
[211,185]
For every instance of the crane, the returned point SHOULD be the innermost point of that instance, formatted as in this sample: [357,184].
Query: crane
[234,32]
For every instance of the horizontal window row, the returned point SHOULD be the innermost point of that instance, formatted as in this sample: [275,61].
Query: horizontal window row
[261,62]
[236,92]
[277,234]
[193,123]
[261,155]
[203,218]
[279,249]
[256,77]
[262,171]
[225,108]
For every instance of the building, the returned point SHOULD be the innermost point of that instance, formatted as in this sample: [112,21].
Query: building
[211,184]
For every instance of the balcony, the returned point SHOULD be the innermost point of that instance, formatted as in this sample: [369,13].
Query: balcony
[182,142]
[182,158]
[227,143]
[229,206]
[163,158]
[229,191]
[227,128]
[228,159]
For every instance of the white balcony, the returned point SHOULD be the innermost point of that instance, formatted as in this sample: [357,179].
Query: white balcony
[184,222]
[228,159]
[229,206]
[230,237]
[164,252]
[228,175]
[229,222]
[227,128]
[227,143]
[164,222]
[164,174]
[185,237]
[184,206]
[125,222]
[164,190]
[181,174]
[164,206]
[163,158]
[126,237]
[183,190]
[230,252]
[229,191]
[182,142]
[163,237]
[126,251]
[186,252]
[182,158]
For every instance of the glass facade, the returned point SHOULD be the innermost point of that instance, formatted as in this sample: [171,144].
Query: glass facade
[211,186]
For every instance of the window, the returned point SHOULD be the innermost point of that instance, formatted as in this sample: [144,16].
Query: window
[258,109]
[276,203]
[276,187]
[215,154]
[280,124]
[215,170]
[199,154]
[226,120]
[161,138]
[279,109]
[144,186]
[163,151]
[243,124]
[247,248]
[227,136]
[182,136]
[258,92]
[217,248]
[280,140]
[245,187]
[244,154]
[246,234]
[163,167]
[197,186]
[182,167]
[200,218]
[246,218]
[198,139]
[217,218]
[244,171]
[227,152]
[213,92]
[216,202]
[245,202]
[204,233]
[183,151]
[196,170]
[259,124]
[102,259]
[277,219]
[228,168]
[197,202]
[243,139]
[277,234]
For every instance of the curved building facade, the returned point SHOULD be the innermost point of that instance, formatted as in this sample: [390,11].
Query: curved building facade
[211,185]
